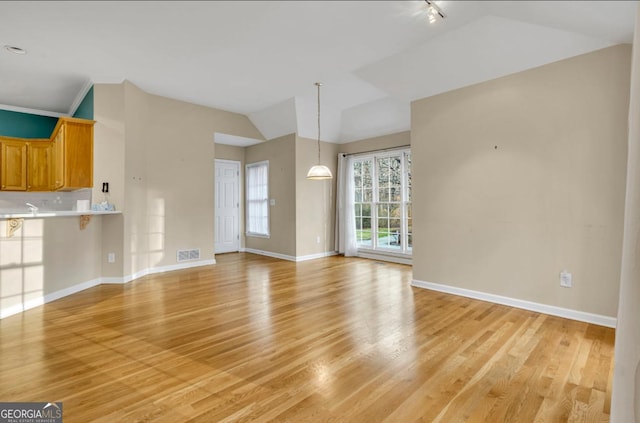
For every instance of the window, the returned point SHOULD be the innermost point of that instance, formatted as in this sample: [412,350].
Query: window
[257,194]
[382,201]
[363,200]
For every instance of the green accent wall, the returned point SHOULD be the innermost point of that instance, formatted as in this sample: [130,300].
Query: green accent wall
[26,125]
[85,109]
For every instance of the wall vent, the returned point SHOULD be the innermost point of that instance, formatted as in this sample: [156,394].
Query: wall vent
[186,255]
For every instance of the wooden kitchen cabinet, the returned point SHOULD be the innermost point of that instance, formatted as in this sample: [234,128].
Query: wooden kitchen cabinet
[26,164]
[39,165]
[62,163]
[13,164]
[72,154]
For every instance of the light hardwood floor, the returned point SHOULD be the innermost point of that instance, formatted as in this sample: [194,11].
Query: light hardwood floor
[255,339]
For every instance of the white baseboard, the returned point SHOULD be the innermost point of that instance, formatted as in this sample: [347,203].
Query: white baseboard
[71,290]
[316,256]
[35,302]
[18,308]
[182,266]
[526,305]
[290,258]
[125,279]
[385,257]
[112,280]
[161,269]
[270,254]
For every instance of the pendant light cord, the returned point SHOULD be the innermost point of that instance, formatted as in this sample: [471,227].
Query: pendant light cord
[318,84]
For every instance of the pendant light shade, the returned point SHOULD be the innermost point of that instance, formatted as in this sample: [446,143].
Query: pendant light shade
[319,171]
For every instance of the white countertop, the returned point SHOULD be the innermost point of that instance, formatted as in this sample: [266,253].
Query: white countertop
[51,213]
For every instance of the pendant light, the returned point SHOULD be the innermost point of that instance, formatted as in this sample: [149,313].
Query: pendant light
[319,171]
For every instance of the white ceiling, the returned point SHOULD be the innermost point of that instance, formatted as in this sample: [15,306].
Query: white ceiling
[261,58]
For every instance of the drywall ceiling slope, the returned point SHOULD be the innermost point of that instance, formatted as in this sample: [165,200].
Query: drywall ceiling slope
[336,95]
[277,120]
[380,117]
[307,117]
[485,49]
[611,20]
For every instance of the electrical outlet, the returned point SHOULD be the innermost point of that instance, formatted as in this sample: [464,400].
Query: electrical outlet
[111,257]
[566,279]
[318,239]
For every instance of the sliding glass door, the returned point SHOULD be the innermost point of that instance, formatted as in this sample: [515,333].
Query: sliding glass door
[382,194]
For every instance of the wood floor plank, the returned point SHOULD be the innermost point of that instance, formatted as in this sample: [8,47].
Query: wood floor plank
[256,339]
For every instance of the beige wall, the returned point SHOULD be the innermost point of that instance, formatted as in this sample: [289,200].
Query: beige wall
[230,152]
[519,178]
[46,256]
[137,151]
[108,166]
[625,401]
[113,242]
[281,154]
[109,142]
[70,255]
[167,172]
[315,200]
[400,139]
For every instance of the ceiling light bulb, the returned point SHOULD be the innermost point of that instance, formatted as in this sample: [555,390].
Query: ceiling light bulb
[432,19]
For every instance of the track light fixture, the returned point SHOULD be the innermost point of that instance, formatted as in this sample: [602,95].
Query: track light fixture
[433,11]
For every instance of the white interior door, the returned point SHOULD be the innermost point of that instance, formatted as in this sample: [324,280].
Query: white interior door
[227,207]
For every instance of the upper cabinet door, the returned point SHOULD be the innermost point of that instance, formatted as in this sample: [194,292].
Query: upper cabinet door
[13,160]
[73,154]
[40,166]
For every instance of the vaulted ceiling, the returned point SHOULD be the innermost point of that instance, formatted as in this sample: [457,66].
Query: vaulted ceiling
[262,58]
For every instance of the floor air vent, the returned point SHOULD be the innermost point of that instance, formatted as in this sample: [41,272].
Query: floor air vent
[186,255]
